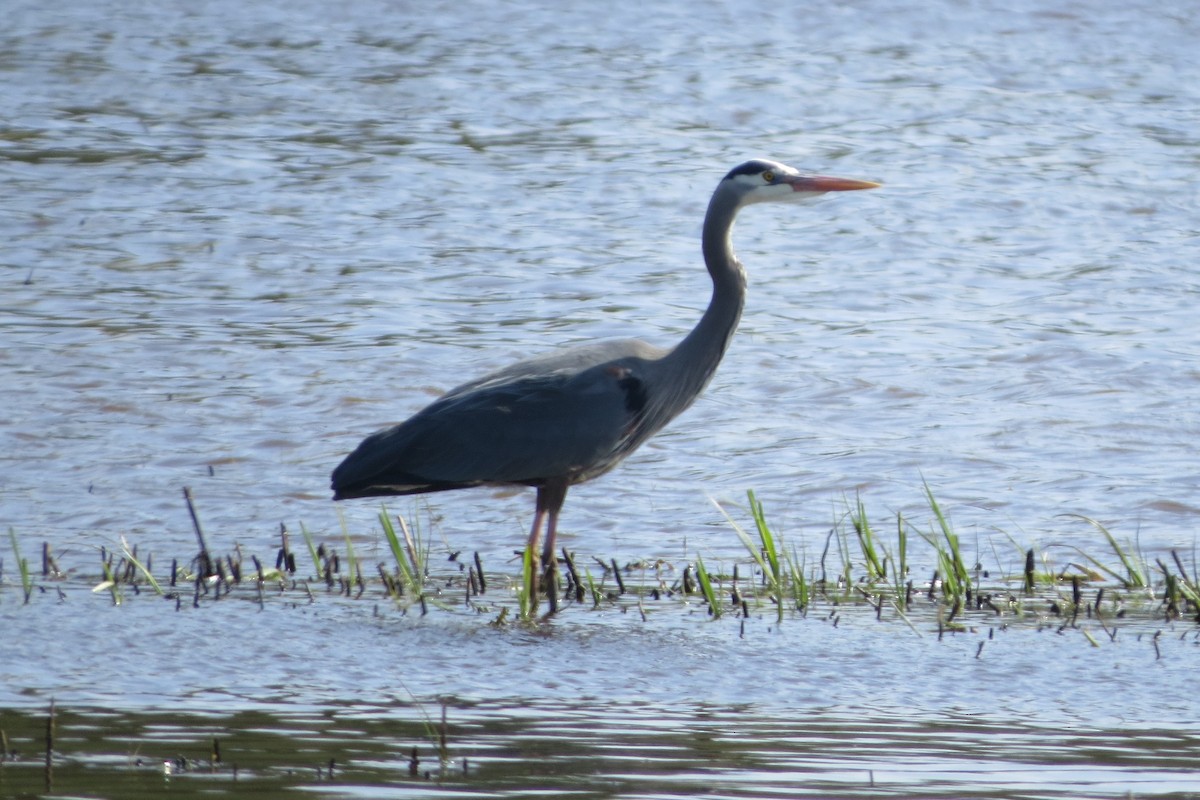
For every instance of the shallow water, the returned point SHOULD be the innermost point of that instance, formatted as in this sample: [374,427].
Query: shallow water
[601,703]
[239,237]
[625,751]
[632,698]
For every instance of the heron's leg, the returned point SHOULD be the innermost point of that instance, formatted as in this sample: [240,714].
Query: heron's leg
[535,534]
[549,557]
[553,495]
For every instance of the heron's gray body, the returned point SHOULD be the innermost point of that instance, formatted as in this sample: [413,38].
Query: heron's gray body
[567,416]
[571,415]
[519,425]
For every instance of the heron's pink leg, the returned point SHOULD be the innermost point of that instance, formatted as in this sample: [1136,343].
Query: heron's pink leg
[549,557]
[535,535]
[550,500]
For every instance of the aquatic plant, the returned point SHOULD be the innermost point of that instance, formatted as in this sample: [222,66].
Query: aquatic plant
[411,557]
[876,566]
[22,566]
[130,555]
[707,590]
[778,577]
[1137,571]
[956,580]
[527,588]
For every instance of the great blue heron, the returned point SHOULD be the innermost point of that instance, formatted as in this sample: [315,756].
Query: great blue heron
[571,415]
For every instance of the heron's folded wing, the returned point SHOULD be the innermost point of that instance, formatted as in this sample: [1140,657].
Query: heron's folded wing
[519,431]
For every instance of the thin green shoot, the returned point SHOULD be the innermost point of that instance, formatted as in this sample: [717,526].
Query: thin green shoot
[128,553]
[527,590]
[768,541]
[764,552]
[876,567]
[22,566]
[751,547]
[312,548]
[798,582]
[1136,572]
[110,583]
[846,576]
[354,573]
[899,567]
[1178,587]
[956,580]
[411,556]
[389,533]
[1188,586]
[417,548]
[706,588]
[592,588]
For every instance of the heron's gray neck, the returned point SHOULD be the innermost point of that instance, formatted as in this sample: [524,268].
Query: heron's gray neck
[695,359]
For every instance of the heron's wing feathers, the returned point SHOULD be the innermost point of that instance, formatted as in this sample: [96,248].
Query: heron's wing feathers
[547,418]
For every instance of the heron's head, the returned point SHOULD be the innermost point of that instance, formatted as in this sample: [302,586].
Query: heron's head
[762,181]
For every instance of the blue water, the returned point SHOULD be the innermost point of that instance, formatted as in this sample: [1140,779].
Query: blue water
[238,237]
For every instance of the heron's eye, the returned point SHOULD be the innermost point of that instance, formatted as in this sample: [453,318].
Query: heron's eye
[768,176]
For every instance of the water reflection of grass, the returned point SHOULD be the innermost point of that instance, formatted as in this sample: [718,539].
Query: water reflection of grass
[859,570]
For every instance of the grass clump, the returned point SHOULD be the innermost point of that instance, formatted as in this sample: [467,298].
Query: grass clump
[956,580]
[782,570]
[872,560]
[411,556]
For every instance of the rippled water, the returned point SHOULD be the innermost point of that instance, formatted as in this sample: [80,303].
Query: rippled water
[625,751]
[239,237]
[603,703]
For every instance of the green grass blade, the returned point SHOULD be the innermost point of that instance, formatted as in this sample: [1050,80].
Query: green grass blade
[110,583]
[527,591]
[411,556]
[766,538]
[953,569]
[128,553]
[866,540]
[389,533]
[801,595]
[706,587]
[1136,572]
[312,548]
[22,566]
[751,547]
[354,574]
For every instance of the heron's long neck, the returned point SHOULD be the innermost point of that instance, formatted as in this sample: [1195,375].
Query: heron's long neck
[695,359]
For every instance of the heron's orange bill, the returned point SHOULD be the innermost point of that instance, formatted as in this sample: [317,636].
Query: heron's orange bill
[826,183]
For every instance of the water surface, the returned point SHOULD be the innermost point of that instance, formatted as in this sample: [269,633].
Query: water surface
[239,237]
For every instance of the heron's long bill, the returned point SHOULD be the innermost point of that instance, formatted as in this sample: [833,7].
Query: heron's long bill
[827,183]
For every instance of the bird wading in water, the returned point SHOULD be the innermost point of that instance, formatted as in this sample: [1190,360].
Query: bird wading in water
[572,415]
